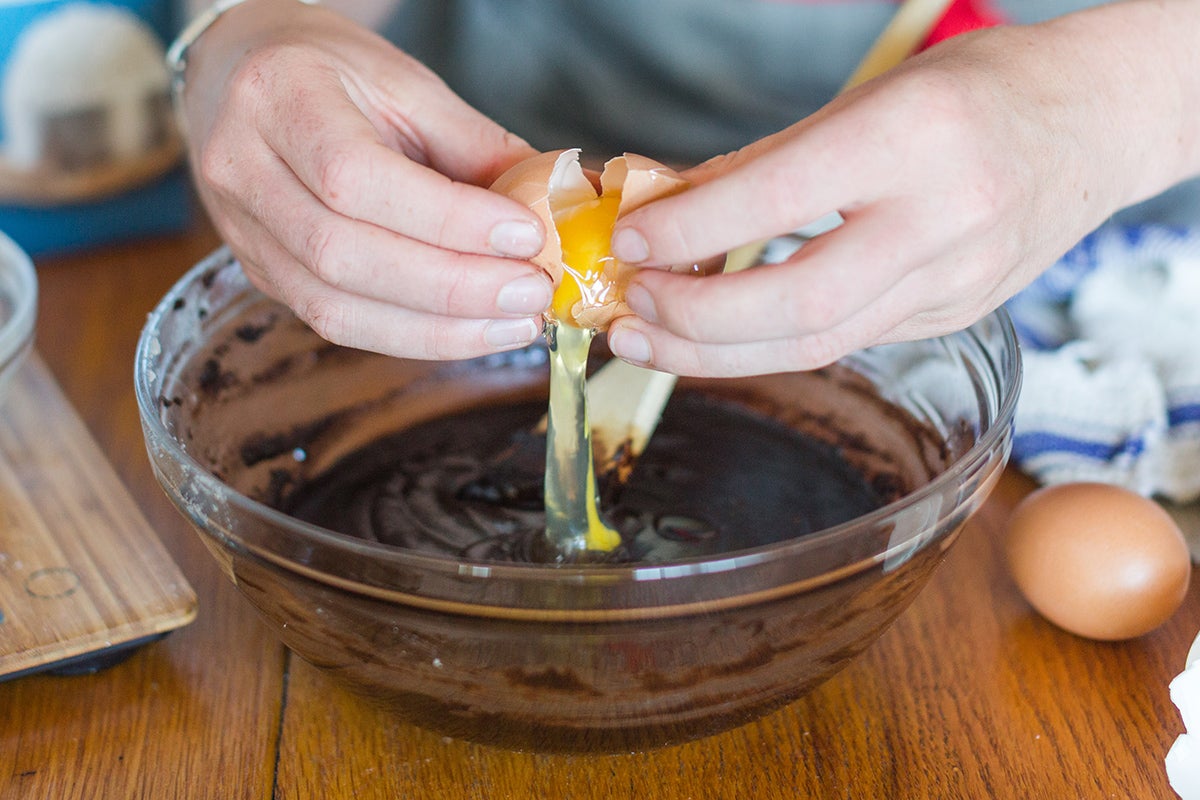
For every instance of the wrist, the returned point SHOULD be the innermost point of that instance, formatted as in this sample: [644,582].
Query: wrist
[1146,48]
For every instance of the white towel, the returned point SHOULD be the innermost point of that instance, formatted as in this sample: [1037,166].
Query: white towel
[1110,340]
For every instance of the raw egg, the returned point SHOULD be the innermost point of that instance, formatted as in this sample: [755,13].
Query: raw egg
[1098,560]
[589,293]
[590,283]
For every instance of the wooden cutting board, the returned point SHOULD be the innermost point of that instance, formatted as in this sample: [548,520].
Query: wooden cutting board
[83,578]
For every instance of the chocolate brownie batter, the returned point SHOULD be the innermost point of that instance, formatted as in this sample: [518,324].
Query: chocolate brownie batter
[716,477]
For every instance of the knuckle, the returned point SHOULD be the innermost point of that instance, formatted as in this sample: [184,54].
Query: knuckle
[726,362]
[458,294]
[440,344]
[259,278]
[723,161]
[253,84]
[682,312]
[327,317]
[782,193]
[339,174]
[679,356]
[960,284]
[440,348]
[505,148]
[679,238]
[809,312]
[944,98]
[714,166]
[696,361]
[955,136]
[449,285]
[960,316]
[214,165]
[255,77]
[511,141]
[814,352]
[446,227]
[321,252]
[981,201]
[947,117]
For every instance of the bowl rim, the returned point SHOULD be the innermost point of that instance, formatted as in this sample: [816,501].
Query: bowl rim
[997,435]
[17,331]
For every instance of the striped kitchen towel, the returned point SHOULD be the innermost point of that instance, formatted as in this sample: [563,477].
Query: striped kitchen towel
[1110,340]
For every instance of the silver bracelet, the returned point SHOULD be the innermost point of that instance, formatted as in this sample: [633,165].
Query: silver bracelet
[177,53]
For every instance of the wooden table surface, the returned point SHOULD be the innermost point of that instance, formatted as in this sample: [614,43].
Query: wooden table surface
[968,695]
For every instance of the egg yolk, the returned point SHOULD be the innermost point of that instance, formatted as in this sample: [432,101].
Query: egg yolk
[585,232]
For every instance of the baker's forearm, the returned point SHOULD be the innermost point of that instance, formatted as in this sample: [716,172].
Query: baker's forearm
[1143,61]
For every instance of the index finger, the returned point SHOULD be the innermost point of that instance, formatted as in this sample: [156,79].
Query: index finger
[799,176]
[338,154]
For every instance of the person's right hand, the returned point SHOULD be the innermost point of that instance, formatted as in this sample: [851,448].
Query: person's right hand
[960,175]
[351,183]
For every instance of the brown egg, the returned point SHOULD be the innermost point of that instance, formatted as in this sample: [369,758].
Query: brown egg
[578,220]
[1098,560]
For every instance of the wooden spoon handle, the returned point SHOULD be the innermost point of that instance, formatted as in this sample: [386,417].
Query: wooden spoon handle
[625,402]
[909,27]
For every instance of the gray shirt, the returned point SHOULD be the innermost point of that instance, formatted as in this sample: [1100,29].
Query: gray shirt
[678,80]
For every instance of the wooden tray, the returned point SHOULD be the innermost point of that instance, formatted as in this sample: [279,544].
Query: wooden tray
[83,577]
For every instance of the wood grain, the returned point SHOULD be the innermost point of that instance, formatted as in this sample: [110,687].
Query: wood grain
[160,725]
[82,570]
[968,695]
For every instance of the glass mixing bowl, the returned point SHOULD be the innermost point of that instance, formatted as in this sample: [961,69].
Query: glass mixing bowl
[240,403]
[18,309]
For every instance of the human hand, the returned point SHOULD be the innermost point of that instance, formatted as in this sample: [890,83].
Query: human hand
[960,175]
[351,183]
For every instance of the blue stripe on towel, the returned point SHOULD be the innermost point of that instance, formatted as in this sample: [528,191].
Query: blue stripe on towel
[1181,415]
[1035,443]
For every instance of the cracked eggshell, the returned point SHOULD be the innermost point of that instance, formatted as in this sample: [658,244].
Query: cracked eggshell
[640,180]
[553,183]
[544,183]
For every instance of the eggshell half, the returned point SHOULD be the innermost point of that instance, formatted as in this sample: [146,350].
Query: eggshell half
[1098,560]
[552,183]
[544,183]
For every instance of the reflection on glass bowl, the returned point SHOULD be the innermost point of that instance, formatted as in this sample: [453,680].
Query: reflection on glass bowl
[240,403]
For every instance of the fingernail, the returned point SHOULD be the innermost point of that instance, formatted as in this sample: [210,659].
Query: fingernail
[629,345]
[630,246]
[516,238]
[641,302]
[510,332]
[529,294]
